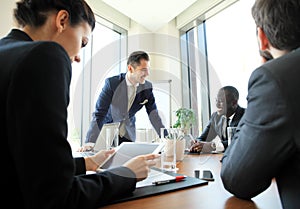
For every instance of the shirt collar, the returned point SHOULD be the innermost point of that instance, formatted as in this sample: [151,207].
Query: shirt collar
[231,116]
[128,83]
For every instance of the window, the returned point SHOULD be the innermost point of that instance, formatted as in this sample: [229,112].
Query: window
[102,57]
[194,73]
[233,52]
[219,51]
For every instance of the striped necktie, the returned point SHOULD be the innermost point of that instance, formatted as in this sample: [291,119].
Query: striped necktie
[131,95]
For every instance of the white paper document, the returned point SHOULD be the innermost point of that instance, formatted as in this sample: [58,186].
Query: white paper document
[154,176]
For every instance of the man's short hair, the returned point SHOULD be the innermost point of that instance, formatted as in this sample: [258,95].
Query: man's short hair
[135,58]
[232,90]
[280,22]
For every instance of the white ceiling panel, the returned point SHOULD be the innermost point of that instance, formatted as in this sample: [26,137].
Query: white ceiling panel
[152,14]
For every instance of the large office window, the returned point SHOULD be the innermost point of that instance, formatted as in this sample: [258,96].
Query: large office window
[232,48]
[194,74]
[104,56]
[221,50]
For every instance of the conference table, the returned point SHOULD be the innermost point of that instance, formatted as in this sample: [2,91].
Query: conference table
[210,196]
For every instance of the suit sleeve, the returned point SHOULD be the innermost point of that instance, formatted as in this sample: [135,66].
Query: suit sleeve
[38,101]
[259,149]
[79,165]
[152,112]
[101,109]
[209,132]
[204,134]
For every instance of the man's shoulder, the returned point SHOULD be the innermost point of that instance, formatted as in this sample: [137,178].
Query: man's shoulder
[238,115]
[120,77]
[215,115]
[240,110]
[146,85]
[116,80]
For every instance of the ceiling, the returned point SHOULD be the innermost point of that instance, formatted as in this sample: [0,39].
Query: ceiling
[152,14]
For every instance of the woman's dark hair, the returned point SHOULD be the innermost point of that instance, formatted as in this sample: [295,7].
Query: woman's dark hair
[280,21]
[34,12]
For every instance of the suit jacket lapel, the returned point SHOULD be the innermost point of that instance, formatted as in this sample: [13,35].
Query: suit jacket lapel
[119,103]
[237,117]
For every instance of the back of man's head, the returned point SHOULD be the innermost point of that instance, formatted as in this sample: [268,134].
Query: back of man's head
[280,21]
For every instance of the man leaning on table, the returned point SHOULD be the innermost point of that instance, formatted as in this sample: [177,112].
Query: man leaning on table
[228,113]
[122,96]
[267,145]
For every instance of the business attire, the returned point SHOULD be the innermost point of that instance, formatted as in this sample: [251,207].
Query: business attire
[39,170]
[267,144]
[112,106]
[215,126]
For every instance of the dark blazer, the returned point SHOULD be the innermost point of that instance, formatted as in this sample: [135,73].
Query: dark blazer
[39,170]
[112,105]
[215,126]
[267,144]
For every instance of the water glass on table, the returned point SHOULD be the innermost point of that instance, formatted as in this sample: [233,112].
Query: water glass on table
[173,150]
[111,137]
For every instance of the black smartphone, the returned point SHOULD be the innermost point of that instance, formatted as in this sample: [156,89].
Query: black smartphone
[207,175]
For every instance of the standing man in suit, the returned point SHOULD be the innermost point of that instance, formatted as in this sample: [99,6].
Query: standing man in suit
[267,145]
[228,113]
[121,97]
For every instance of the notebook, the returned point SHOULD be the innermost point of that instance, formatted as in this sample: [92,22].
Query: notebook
[128,150]
[147,191]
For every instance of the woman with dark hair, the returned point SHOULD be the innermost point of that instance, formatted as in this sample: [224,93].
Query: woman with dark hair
[35,75]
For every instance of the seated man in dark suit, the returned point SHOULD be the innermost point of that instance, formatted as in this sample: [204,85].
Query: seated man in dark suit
[228,113]
[122,97]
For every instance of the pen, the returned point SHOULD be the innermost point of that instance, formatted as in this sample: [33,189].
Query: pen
[176,179]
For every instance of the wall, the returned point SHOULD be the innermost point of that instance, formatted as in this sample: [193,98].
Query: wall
[6,16]
[164,49]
